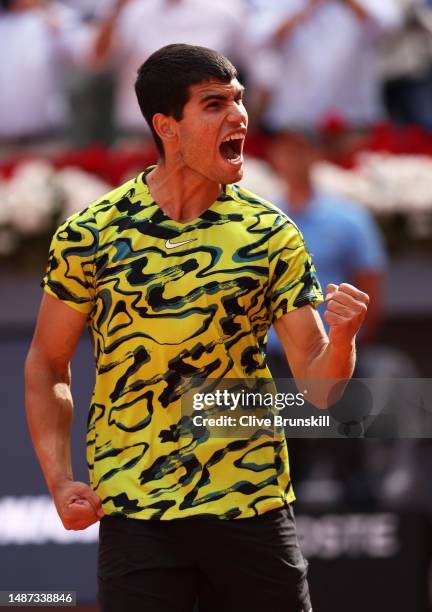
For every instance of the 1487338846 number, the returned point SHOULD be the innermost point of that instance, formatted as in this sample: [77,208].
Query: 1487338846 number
[50,598]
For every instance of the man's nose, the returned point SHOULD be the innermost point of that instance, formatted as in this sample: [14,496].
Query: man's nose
[238,114]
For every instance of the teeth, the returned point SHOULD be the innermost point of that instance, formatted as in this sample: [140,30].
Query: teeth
[236,136]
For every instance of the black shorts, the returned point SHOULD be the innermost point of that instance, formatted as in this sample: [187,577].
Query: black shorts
[240,565]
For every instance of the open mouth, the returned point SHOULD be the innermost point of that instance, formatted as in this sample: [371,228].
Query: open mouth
[231,148]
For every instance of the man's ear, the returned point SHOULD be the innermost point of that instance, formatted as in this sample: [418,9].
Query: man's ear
[165,127]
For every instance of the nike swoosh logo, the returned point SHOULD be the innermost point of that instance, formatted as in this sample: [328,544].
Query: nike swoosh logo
[174,245]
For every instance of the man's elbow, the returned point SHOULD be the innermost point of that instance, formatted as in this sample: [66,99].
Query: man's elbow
[38,367]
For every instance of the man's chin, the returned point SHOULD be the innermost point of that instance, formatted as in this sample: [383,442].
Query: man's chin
[233,174]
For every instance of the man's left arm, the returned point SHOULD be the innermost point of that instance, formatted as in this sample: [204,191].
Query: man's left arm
[293,291]
[311,354]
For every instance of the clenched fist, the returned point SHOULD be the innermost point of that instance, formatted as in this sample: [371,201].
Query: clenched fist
[77,505]
[346,310]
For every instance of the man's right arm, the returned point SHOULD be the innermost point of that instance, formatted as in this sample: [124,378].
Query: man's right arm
[49,410]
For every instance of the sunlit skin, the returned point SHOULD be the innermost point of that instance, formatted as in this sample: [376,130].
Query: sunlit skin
[193,172]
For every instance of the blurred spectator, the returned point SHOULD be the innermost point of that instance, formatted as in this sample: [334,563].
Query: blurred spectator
[346,246]
[133,29]
[87,9]
[318,57]
[406,66]
[342,237]
[38,38]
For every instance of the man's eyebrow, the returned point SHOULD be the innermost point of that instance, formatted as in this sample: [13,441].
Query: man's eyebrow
[223,97]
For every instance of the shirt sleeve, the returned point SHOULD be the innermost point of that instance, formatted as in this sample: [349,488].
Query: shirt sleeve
[293,280]
[71,263]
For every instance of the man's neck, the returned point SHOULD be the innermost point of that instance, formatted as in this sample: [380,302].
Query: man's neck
[180,192]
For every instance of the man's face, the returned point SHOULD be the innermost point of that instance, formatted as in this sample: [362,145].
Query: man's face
[213,129]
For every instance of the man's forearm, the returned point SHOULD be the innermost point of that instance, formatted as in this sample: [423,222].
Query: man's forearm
[49,411]
[318,360]
[333,362]
[327,373]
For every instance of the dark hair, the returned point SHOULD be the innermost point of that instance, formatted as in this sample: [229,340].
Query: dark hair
[164,79]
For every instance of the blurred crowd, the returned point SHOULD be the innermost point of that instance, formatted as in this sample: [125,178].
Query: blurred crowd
[68,66]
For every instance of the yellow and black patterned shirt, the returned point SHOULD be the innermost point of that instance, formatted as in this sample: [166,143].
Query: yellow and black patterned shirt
[167,301]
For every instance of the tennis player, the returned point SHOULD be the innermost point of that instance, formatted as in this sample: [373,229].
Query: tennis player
[179,273]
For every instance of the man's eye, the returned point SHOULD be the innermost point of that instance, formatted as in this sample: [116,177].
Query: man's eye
[212,105]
